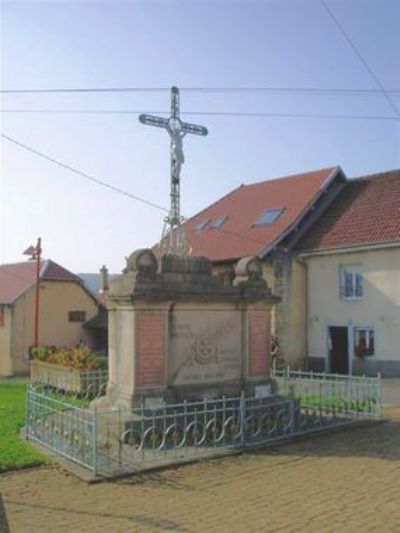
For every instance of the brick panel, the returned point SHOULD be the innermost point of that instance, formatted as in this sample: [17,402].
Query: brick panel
[259,343]
[150,364]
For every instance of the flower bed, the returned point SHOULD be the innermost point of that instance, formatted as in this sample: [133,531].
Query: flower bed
[79,370]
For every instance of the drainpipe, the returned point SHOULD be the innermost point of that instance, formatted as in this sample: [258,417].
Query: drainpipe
[304,264]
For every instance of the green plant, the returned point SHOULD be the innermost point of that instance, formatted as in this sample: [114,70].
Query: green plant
[80,358]
[14,452]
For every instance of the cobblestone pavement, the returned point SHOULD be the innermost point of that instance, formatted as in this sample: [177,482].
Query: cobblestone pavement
[346,481]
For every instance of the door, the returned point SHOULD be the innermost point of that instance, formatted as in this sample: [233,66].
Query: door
[339,350]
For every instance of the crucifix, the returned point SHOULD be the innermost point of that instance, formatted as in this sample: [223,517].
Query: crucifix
[173,237]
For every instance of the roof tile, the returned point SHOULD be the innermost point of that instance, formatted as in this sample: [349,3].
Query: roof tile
[238,236]
[366,212]
[18,277]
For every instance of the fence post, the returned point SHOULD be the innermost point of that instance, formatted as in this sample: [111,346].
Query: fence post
[292,409]
[27,411]
[242,419]
[120,432]
[94,444]
[379,395]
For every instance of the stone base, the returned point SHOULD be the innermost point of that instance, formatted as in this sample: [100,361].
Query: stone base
[155,397]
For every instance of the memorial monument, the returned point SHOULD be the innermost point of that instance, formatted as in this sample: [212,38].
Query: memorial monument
[176,332]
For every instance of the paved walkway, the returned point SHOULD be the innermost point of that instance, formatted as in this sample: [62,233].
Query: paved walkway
[391,391]
[345,481]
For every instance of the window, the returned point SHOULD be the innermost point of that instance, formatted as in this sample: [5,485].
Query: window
[351,283]
[201,225]
[269,216]
[218,223]
[77,316]
[364,342]
[1,316]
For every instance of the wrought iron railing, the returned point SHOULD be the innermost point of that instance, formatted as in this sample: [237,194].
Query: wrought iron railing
[115,440]
[356,395]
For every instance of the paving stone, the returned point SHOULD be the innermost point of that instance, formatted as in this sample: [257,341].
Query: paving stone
[344,481]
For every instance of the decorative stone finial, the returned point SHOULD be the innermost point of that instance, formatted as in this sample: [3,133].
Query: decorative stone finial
[142,262]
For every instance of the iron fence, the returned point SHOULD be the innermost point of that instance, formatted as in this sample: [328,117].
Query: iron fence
[61,426]
[114,440]
[72,383]
[355,395]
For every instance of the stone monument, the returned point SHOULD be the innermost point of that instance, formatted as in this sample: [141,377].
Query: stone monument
[177,333]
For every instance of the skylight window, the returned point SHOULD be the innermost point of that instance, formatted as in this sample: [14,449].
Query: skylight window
[269,216]
[201,225]
[218,222]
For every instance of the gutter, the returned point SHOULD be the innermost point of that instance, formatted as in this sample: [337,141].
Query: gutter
[349,249]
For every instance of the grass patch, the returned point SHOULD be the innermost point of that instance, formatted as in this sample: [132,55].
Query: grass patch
[15,453]
[336,402]
[67,399]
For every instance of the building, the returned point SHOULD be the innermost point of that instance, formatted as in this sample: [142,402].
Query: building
[330,247]
[65,306]
[352,262]
[267,219]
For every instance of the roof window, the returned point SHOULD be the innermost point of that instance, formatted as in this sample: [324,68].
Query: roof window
[218,222]
[269,216]
[201,225]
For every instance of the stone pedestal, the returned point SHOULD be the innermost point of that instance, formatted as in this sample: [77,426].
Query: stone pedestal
[176,332]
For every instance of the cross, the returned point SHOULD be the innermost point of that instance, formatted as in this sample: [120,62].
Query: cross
[173,238]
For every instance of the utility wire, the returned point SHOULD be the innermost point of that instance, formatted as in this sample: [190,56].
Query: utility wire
[202,113]
[360,57]
[115,189]
[210,90]
[83,174]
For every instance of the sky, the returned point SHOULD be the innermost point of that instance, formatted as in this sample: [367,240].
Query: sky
[190,44]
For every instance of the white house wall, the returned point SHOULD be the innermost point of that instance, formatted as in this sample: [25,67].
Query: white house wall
[378,309]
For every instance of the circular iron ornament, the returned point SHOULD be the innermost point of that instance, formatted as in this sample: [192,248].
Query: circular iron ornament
[74,437]
[284,420]
[153,438]
[232,428]
[174,436]
[214,430]
[195,434]
[132,438]
[301,418]
[268,423]
[253,426]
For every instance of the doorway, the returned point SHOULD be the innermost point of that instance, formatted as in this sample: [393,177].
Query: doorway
[339,350]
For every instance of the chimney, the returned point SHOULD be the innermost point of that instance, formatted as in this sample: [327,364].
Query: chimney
[103,279]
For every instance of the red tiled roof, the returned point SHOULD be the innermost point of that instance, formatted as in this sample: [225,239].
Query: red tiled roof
[366,212]
[243,206]
[18,277]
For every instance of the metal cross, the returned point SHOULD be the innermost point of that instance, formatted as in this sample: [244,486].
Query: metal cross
[173,238]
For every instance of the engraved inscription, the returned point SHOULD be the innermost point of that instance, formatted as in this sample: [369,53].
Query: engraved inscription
[204,347]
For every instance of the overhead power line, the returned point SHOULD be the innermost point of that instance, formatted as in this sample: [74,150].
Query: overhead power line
[360,57]
[83,174]
[210,90]
[112,187]
[202,113]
